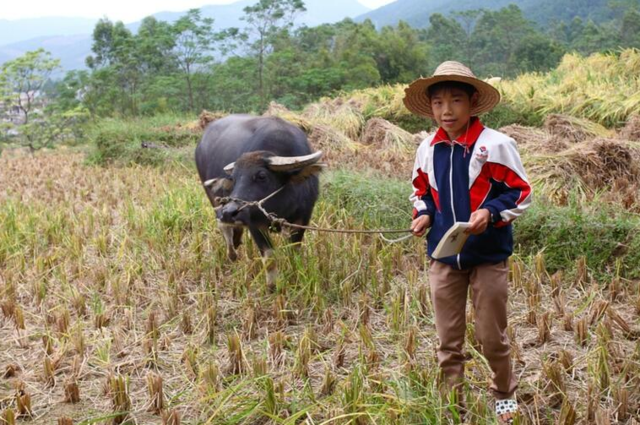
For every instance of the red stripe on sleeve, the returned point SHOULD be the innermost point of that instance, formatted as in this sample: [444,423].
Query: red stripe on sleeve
[421,183]
[502,173]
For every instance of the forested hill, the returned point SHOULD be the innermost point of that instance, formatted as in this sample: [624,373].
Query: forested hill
[69,39]
[225,16]
[417,12]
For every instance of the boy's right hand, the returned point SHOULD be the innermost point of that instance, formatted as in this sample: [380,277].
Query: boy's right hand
[420,225]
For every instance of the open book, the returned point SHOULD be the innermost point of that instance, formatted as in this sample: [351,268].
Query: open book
[452,241]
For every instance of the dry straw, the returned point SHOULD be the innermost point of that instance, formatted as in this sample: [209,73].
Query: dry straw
[602,88]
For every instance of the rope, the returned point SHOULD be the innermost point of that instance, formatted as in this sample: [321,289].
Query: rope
[282,222]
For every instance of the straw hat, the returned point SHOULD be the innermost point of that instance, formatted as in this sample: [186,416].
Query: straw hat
[417,101]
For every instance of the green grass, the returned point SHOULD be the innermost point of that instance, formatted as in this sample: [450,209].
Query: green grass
[373,200]
[602,233]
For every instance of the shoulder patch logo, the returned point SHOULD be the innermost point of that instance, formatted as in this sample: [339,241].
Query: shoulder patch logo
[482,154]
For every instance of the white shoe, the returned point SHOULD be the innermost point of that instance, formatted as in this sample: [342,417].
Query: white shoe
[506,410]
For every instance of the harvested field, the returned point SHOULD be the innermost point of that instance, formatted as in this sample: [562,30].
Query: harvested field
[115,289]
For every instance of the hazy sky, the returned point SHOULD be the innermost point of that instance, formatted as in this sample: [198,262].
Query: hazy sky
[125,10]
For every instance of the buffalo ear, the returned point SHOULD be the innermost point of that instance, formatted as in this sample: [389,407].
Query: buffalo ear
[308,171]
[219,185]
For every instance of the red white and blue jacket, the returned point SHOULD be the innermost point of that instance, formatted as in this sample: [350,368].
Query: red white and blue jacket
[452,179]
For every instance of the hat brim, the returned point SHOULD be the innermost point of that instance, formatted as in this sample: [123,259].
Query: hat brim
[417,101]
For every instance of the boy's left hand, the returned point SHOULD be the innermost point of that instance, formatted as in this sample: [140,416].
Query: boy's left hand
[479,221]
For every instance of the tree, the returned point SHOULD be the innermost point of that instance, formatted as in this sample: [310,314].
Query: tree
[267,19]
[621,7]
[22,84]
[355,51]
[496,37]
[468,20]
[630,29]
[575,30]
[596,38]
[194,38]
[401,56]
[54,126]
[155,44]
[446,38]
[110,42]
[116,65]
[23,79]
[537,52]
[70,92]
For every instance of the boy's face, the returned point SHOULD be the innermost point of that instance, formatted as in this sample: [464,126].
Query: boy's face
[452,110]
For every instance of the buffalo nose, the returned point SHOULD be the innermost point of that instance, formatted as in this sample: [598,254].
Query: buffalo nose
[230,212]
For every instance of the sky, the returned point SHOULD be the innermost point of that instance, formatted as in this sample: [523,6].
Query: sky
[125,10]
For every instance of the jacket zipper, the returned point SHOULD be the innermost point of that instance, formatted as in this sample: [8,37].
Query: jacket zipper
[453,209]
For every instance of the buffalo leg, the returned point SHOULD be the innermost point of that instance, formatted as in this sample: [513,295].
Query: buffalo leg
[265,246]
[229,236]
[237,236]
[296,234]
[296,238]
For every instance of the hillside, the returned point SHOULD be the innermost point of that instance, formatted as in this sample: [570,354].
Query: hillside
[417,12]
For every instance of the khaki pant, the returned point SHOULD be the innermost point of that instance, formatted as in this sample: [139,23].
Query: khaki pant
[489,284]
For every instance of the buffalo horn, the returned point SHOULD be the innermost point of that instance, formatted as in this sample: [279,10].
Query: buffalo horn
[287,163]
[229,168]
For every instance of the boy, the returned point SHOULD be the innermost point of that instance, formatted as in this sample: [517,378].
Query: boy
[466,172]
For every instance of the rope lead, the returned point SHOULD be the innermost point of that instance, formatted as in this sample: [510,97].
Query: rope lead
[282,222]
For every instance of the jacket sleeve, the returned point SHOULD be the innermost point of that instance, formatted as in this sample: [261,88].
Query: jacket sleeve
[421,197]
[516,194]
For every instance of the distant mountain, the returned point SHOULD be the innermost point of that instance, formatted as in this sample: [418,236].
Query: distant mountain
[72,47]
[417,12]
[318,12]
[13,31]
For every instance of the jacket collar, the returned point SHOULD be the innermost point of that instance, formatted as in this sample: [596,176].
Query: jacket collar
[467,139]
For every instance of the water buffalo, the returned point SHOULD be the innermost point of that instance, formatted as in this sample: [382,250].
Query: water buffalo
[248,158]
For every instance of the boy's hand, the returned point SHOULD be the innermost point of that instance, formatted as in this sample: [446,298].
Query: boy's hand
[479,221]
[420,225]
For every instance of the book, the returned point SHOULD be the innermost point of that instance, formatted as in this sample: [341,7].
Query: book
[452,241]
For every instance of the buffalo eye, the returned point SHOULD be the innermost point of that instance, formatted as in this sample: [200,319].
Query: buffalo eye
[260,176]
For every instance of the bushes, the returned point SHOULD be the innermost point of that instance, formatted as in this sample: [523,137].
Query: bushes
[504,114]
[122,141]
[566,233]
